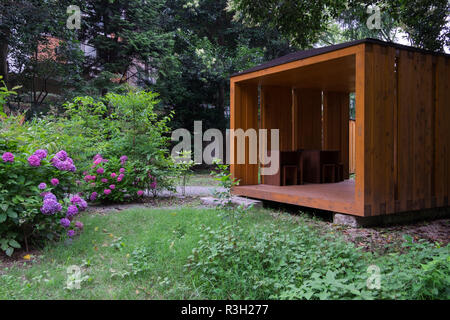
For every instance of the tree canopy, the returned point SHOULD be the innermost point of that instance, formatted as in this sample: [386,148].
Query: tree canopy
[185,49]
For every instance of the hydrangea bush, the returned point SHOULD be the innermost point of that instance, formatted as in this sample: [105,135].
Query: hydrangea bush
[34,197]
[112,180]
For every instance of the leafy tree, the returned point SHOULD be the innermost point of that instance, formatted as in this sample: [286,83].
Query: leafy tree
[128,37]
[301,21]
[210,45]
[305,22]
[24,29]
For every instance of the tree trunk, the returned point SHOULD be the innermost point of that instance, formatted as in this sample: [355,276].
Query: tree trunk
[221,106]
[4,55]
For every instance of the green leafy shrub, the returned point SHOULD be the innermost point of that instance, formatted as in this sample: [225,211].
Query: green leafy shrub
[112,180]
[34,196]
[124,125]
[274,262]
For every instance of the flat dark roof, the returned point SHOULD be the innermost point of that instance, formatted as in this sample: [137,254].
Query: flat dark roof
[303,54]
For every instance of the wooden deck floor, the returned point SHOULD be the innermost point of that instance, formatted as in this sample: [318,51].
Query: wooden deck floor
[337,197]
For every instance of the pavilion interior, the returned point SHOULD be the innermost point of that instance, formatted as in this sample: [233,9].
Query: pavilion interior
[310,107]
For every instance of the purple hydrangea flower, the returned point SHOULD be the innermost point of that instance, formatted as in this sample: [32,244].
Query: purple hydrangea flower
[122,170]
[72,210]
[71,233]
[8,157]
[123,159]
[112,187]
[104,180]
[113,175]
[65,222]
[41,153]
[63,165]
[97,156]
[107,191]
[42,186]
[120,177]
[49,195]
[34,161]
[54,181]
[93,196]
[61,155]
[140,193]
[50,206]
[100,170]
[82,205]
[79,225]
[75,199]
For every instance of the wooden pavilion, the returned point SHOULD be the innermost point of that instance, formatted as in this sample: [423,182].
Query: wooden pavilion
[402,128]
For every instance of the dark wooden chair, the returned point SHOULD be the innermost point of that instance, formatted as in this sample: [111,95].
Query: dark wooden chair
[290,174]
[311,166]
[330,166]
[290,171]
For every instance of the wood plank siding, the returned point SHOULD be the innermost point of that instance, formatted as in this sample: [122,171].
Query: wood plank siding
[400,138]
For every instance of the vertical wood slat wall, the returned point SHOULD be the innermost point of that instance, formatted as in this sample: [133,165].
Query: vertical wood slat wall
[335,125]
[308,130]
[243,115]
[406,130]
[352,146]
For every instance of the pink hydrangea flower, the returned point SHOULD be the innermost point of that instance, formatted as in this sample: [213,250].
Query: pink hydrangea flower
[112,187]
[113,175]
[97,161]
[100,170]
[8,157]
[93,196]
[104,180]
[140,193]
[107,191]
[55,181]
[34,161]
[79,225]
[41,153]
[122,170]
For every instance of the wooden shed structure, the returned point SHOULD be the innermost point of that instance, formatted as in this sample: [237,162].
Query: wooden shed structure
[402,128]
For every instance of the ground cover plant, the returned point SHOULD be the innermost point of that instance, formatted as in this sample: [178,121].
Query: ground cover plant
[195,254]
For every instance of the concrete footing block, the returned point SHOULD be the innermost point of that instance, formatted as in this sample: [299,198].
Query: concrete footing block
[211,201]
[346,220]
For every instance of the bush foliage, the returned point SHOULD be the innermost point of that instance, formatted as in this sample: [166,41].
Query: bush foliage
[99,134]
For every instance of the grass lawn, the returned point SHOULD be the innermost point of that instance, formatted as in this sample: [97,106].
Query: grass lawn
[104,251]
[142,253]
[202,178]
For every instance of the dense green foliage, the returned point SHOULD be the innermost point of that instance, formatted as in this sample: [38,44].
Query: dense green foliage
[26,179]
[269,255]
[186,50]
[117,126]
[269,262]
[425,22]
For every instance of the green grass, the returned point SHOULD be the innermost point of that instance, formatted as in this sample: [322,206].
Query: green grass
[142,254]
[103,251]
[202,178]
